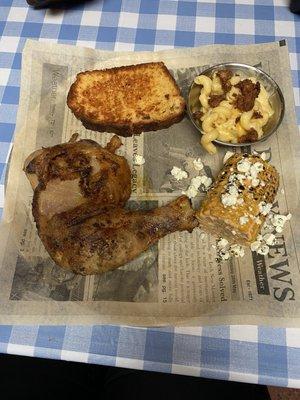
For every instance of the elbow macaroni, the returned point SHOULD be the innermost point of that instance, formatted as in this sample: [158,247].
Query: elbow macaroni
[263,100]
[209,120]
[206,83]
[225,122]
[216,85]
[207,139]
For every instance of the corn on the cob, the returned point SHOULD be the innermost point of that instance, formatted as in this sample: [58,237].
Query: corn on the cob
[237,204]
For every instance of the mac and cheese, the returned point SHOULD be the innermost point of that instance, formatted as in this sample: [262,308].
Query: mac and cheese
[233,108]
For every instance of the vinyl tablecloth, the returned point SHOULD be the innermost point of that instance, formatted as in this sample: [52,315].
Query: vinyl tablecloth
[243,353]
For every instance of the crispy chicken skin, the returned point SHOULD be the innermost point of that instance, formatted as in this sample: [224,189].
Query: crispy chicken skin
[80,190]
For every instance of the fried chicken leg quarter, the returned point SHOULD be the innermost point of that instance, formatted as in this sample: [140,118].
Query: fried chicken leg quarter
[80,190]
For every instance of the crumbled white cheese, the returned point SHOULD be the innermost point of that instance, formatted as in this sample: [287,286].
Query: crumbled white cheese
[263,156]
[262,183]
[255,182]
[222,243]
[264,207]
[228,154]
[178,173]
[191,192]
[196,182]
[240,178]
[224,255]
[198,165]
[232,197]
[237,251]
[225,250]
[228,199]
[269,239]
[232,189]
[263,242]
[255,245]
[278,221]
[234,232]
[253,172]
[206,181]
[259,237]
[244,219]
[258,166]
[263,250]
[138,160]
[232,178]
[257,220]
[243,165]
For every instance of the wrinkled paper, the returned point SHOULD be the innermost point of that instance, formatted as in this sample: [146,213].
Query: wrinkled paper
[178,280]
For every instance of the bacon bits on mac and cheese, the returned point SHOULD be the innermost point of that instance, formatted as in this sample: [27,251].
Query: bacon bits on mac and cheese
[233,108]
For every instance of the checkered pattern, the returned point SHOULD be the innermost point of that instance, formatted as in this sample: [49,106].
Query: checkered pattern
[251,354]
[248,354]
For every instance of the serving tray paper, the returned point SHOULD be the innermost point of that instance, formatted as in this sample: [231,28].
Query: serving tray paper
[177,281]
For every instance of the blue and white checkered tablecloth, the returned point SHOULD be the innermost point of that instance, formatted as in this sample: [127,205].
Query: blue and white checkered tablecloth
[244,353]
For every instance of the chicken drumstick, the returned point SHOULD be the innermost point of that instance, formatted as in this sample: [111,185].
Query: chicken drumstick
[80,190]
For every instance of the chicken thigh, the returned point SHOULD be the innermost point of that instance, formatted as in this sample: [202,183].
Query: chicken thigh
[80,190]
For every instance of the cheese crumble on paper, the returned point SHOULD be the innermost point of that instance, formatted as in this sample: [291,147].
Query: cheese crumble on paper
[178,173]
[138,160]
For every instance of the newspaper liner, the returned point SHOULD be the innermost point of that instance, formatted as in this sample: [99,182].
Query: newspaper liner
[177,281]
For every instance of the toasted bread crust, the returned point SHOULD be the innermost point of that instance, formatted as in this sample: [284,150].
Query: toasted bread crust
[137,129]
[96,104]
